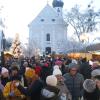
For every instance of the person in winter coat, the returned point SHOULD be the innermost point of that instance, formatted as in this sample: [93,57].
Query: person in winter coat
[74,81]
[61,85]
[14,73]
[11,92]
[1,91]
[1,88]
[35,85]
[91,92]
[50,92]
[85,69]
[46,71]
[4,76]
[96,76]
[23,68]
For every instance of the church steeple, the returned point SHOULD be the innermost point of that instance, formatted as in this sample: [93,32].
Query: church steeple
[57,3]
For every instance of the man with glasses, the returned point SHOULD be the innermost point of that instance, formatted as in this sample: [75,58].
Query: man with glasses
[74,81]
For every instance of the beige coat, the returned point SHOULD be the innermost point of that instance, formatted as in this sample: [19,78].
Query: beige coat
[64,90]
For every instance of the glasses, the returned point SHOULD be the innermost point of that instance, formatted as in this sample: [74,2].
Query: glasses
[73,70]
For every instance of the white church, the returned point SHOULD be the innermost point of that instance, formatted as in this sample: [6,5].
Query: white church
[48,31]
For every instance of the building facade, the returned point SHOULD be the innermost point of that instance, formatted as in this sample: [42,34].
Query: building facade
[48,31]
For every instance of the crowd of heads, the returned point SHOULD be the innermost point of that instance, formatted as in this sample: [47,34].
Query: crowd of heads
[50,70]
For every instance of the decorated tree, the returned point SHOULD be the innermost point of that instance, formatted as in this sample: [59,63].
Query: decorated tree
[16,47]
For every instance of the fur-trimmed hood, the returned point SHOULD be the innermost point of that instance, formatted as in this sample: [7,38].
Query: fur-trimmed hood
[50,93]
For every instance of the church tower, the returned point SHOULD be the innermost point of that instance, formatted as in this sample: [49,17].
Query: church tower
[58,5]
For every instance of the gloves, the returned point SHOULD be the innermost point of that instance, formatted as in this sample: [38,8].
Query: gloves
[12,94]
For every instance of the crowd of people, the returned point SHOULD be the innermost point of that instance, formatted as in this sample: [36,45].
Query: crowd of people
[49,78]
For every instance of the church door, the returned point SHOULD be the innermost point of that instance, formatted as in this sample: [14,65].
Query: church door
[48,50]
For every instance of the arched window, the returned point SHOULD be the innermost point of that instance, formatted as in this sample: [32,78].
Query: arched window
[58,10]
[48,37]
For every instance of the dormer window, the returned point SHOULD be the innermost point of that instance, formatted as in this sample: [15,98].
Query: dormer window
[53,20]
[42,20]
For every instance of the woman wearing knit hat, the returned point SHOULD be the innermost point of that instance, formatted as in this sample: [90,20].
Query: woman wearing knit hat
[10,91]
[90,90]
[14,73]
[59,63]
[4,76]
[35,85]
[96,77]
[50,92]
[64,92]
[30,75]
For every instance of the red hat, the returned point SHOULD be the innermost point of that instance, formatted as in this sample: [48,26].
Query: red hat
[46,64]
[38,70]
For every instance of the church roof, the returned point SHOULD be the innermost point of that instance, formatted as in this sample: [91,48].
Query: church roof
[46,13]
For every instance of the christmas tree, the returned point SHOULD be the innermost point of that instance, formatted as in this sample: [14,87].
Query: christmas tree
[16,47]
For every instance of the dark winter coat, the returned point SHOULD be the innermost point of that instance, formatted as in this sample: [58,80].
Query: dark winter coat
[4,80]
[85,70]
[22,73]
[50,93]
[46,71]
[1,95]
[34,91]
[74,84]
[92,96]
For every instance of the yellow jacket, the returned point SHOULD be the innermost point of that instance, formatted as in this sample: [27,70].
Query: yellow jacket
[9,87]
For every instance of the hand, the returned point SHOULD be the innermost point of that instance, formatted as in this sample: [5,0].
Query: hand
[97,83]
[11,94]
[16,84]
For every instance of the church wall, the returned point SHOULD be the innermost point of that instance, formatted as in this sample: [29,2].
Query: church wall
[56,31]
[48,22]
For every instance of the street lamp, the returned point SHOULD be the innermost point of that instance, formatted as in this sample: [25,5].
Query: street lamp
[2,49]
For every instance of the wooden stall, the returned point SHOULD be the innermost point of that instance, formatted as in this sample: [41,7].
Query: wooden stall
[80,55]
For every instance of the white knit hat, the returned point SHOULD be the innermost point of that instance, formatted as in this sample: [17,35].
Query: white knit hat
[74,61]
[90,63]
[4,70]
[51,80]
[89,85]
[95,72]
[56,67]
[57,72]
